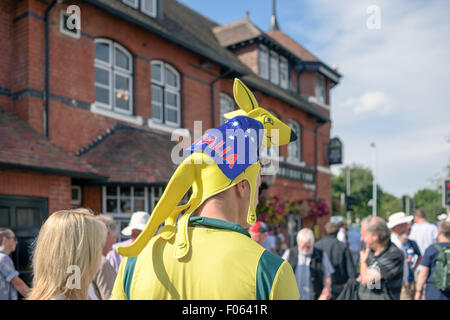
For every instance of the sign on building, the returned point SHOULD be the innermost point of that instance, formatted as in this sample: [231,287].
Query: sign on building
[335,151]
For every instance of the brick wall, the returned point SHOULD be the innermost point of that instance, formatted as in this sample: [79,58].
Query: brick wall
[57,189]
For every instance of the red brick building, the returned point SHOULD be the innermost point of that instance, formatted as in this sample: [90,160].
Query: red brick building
[86,114]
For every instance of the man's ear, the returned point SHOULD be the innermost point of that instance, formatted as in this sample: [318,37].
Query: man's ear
[241,187]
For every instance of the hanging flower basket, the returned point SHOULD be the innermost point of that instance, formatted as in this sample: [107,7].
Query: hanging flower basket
[273,210]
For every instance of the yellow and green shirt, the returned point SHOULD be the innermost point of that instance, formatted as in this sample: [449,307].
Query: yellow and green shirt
[223,263]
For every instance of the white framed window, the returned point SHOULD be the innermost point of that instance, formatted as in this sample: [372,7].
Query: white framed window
[165,91]
[76,195]
[321,89]
[113,77]
[131,3]
[295,148]
[263,62]
[149,7]
[124,200]
[274,68]
[226,105]
[284,73]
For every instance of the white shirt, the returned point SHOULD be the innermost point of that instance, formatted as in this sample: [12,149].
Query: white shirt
[341,236]
[303,274]
[425,234]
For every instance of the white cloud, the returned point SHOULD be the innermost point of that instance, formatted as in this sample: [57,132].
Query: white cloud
[394,89]
[374,102]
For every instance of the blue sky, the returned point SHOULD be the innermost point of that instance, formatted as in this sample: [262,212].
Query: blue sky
[396,79]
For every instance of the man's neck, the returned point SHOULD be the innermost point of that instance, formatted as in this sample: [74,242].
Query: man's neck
[216,209]
[379,248]
[3,249]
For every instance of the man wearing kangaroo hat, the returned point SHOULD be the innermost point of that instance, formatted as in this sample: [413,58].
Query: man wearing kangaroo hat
[207,253]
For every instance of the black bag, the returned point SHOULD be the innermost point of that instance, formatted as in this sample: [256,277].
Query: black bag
[350,291]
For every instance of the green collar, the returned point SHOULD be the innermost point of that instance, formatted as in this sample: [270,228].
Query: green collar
[221,224]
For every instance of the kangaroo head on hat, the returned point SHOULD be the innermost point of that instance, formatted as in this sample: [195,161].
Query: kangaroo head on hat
[200,173]
[276,133]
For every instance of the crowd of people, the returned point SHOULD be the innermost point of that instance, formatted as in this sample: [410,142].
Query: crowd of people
[75,257]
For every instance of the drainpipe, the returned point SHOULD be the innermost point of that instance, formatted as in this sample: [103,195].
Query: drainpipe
[47,65]
[213,102]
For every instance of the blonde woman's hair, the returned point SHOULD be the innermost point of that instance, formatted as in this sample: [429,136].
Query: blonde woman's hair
[68,242]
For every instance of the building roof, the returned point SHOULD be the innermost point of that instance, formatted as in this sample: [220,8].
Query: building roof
[132,155]
[292,45]
[21,147]
[236,32]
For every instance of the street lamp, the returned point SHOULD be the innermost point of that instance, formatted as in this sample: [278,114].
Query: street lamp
[374,186]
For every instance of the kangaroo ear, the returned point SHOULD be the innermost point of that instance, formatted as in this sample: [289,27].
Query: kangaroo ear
[232,114]
[243,96]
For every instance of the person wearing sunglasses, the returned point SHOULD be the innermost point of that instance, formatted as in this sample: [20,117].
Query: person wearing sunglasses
[10,282]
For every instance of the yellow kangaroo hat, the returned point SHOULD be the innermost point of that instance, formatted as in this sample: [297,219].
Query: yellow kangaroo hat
[220,159]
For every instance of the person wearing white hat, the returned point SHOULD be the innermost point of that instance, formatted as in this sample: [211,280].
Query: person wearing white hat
[443,217]
[398,224]
[133,230]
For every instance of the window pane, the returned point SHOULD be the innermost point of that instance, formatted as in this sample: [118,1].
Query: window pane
[122,92]
[125,206]
[172,115]
[139,205]
[111,205]
[102,76]
[111,191]
[274,76]
[264,63]
[122,60]
[125,192]
[133,3]
[4,217]
[157,102]
[156,94]
[148,6]
[171,78]
[283,74]
[156,72]
[226,105]
[139,192]
[102,95]
[102,52]
[25,217]
[156,112]
[171,99]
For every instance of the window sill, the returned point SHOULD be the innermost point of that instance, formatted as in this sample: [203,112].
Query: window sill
[168,129]
[324,169]
[295,162]
[138,120]
[320,104]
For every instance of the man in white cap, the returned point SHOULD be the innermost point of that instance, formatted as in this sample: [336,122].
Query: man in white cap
[137,224]
[443,217]
[398,224]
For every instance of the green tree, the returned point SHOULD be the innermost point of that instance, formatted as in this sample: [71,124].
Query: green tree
[430,201]
[360,187]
